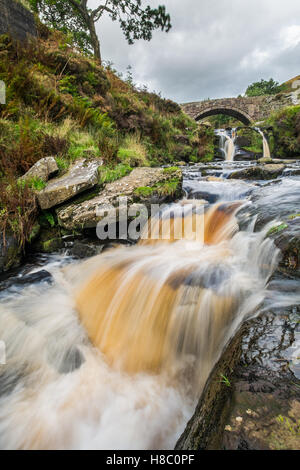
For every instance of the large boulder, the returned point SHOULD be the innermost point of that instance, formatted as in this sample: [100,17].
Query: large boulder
[44,169]
[260,172]
[141,186]
[81,176]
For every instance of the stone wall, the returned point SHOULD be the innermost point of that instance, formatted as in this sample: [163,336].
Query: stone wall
[16,20]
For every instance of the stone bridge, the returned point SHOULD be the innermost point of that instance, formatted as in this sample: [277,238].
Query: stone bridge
[246,110]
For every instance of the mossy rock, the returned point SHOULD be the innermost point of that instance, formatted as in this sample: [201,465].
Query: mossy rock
[49,241]
[10,253]
[52,245]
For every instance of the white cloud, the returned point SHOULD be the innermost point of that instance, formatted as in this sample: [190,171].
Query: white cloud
[290,36]
[216,48]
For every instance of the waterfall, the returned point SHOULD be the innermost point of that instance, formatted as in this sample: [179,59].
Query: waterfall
[266,148]
[115,354]
[158,310]
[227,146]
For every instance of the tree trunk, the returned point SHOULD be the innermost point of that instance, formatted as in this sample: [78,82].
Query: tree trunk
[95,41]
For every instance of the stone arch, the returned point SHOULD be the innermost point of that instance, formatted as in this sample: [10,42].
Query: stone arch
[229,111]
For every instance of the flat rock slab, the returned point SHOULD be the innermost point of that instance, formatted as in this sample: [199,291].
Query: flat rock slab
[44,169]
[81,176]
[84,214]
[260,172]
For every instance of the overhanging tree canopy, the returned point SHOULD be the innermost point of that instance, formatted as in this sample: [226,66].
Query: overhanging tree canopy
[136,21]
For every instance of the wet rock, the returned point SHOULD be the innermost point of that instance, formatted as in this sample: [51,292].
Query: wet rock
[266,392]
[72,360]
[81,176]
[52,245]
[287,238]
[260,172]
[49,240]
[241,157]
[292,172]
[10,252]
[203,431]
[252,397]
[81,250]
[142,186]
[24,281]
[44,169]
[209,197]
[242,141]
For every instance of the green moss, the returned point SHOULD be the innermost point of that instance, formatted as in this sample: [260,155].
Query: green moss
[144,191]
[34,232]
[294,216]
[36,183]
[52,245]
[108,175]
[12,257]
[277,229]
[165,188]
[171,169]
[62,164]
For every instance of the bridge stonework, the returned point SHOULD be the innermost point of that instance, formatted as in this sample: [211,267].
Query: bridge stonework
[247,110]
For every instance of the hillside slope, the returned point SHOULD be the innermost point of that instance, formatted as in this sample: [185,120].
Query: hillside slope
[62,104]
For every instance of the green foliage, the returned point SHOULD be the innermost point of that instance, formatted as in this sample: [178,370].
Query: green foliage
[76,17]
[62,164]
[108,146]
[107,175]
[277,229]
[46,219]
[164,188]
[285,126]
[61,15]
[133,152]
[144,191]
[264,87]
[67,84]
[171,169]
[225,380]
[18,210]
[254,138]
[205,140]
[221,121]
[37,184]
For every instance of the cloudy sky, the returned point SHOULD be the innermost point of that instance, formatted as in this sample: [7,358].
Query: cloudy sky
[215,48]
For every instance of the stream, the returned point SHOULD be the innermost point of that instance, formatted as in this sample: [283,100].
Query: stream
[113,352]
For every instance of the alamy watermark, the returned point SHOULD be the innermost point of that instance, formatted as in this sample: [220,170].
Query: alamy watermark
[2,353]
[2,92]
[157,222]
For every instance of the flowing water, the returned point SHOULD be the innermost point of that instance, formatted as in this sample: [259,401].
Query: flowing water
[266,148]
[115,352]
[227,145]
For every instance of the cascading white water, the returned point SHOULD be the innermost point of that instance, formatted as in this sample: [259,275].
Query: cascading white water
[227,145]
[157,316]
[115,353]
[266,148]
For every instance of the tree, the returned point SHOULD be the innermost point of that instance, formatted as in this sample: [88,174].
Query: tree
[264,87]
[136,21]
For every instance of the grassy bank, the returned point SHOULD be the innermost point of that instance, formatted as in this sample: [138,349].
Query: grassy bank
[61,103]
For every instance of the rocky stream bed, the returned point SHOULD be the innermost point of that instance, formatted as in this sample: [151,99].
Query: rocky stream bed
[252,397]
